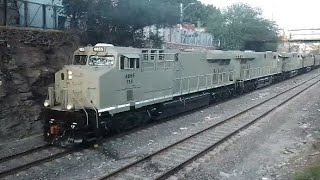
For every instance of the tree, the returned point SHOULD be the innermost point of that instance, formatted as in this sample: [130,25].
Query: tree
[241,27]
[200,12]
[196,12]
[120,22]
[76,10]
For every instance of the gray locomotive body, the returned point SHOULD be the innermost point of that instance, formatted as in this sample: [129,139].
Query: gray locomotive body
[110,88]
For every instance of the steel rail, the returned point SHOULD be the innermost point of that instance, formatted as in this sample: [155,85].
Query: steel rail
[40,148]
[35,163]
[173,170]
[183,164]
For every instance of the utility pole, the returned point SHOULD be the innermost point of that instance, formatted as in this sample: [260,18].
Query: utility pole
[5,12]
[182,11]
[181,15]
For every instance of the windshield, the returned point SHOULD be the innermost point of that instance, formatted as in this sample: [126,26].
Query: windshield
[101,60]
[80,60]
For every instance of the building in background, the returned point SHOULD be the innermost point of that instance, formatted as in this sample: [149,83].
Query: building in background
[188,34]
[44,14]
[300,40]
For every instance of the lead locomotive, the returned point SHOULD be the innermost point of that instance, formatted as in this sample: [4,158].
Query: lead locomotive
[108,88]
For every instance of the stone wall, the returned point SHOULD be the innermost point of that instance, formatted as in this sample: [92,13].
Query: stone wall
[28,60]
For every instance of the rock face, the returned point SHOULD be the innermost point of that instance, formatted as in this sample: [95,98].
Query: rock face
[26,70]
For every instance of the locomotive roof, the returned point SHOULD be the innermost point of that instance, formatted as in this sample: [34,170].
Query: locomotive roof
[119,49]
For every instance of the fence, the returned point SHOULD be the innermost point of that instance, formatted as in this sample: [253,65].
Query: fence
[183,36]
[32,14]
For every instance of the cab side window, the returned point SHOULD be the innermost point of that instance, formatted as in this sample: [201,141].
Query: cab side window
[122,62]
[129,63]
[137,63]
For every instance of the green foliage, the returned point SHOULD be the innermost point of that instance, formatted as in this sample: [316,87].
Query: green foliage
[241,27]
[195,12]
[119,22]
[156,40]
[312,173]
[200,12]
[76,10]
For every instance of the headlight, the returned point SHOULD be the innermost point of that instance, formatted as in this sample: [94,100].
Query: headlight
[69,106]
[69,75]
[46,103]
[81,49]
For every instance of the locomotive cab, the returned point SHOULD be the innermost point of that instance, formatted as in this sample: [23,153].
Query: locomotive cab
[74,99]
[102,82]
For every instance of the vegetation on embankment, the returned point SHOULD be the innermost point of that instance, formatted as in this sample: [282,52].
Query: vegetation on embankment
[312,170]
[311,173]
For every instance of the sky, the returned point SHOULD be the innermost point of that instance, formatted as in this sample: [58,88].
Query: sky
[294,14]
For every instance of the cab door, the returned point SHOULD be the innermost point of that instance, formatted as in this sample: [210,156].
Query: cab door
[131,75]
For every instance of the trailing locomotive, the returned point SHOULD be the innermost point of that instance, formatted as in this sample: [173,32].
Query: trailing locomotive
[107,88]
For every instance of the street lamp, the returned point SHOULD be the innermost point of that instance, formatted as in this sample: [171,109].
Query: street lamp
[182,10]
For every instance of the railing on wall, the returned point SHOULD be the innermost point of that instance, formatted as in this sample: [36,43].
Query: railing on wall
[24,13]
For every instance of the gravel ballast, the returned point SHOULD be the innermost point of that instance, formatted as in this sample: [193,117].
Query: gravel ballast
[274,148]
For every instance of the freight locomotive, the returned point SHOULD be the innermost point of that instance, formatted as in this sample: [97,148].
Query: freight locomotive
[107,88]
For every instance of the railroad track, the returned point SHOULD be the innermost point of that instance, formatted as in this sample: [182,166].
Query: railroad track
[24,153]
[16,163]
[167,161]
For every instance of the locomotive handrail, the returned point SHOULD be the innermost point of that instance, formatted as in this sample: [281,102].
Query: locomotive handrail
[96,111]
[87,116]
[154,64]
[225,79]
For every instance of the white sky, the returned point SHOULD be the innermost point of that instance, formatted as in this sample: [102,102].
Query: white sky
[288,14]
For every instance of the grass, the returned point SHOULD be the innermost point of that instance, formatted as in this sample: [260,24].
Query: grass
[311,173]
